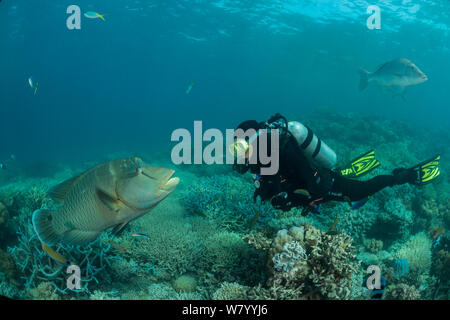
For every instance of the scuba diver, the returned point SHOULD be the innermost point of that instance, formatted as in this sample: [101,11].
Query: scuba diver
[307,176]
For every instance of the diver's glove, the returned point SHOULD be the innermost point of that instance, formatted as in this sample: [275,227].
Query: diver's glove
[281,201]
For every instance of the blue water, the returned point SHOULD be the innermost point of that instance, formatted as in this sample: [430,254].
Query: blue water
[119,84]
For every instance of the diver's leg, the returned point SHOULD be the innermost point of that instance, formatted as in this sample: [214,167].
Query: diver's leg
[356,190]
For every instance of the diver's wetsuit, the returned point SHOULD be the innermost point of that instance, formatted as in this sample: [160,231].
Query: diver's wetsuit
[296,172]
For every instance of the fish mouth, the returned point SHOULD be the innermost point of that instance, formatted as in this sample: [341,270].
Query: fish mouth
[424,77]
[170,183]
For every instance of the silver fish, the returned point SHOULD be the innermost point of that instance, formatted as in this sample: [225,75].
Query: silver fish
[110,194]
[393,76]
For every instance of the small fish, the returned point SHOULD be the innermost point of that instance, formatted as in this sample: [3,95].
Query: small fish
[358,204]
[33,84]
[423,286]
[302,192]
[108,195]
[94,15]
[438,232]
[55,255]
[139,235]
[330,232]
[116,245]
[437,242]
[189,88]
[254,220]
[2,166]
[394,76]
[13,157]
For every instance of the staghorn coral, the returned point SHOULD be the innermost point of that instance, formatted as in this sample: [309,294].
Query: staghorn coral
[227,201]
[35,266]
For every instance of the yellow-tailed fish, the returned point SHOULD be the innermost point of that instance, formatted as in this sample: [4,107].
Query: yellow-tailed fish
[333,225]
[254,220]
[33,84]
[55,255]
[189,88]
[139,235]
[438,232]
[108,195]
[94,15]
[302,192]
[116,245]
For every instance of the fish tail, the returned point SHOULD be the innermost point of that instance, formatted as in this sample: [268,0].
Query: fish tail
[364,78]
[43,226]
[101,16]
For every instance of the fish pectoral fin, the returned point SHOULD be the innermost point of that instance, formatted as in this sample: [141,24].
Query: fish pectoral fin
[109,201]
[119,228]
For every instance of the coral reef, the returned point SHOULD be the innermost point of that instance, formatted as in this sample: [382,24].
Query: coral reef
[306,263]
[185,283]
[402,291]
[417,251]
[231,291]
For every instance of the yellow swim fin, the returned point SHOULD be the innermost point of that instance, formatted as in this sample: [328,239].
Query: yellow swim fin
[427,171]
[360,166]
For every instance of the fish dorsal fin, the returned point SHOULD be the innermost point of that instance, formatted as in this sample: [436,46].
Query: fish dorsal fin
[109,201]
[59,192]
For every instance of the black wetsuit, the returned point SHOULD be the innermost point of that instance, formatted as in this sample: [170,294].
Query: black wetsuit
[296,172]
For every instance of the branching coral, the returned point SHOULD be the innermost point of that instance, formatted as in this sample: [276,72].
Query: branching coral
[35,266]
[227,200]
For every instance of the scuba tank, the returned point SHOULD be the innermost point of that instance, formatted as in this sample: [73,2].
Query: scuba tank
[314,148]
